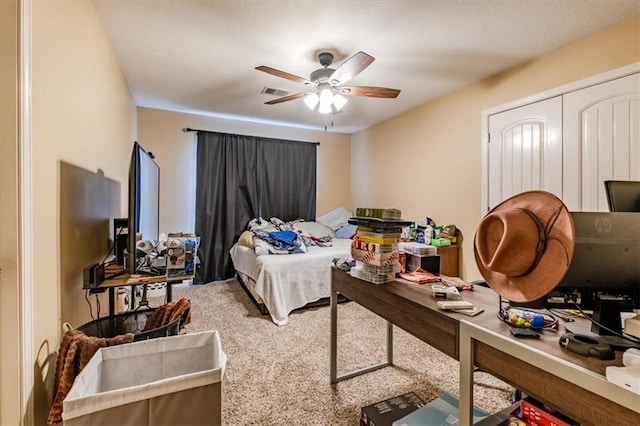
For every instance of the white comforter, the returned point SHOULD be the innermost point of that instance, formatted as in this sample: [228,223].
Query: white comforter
[287,282]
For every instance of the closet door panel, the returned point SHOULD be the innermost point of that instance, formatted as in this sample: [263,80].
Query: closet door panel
[600,140]
[634,149]
[525,150]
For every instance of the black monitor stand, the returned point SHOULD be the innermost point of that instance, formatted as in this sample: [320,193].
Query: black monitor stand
[606,312]
[606,315]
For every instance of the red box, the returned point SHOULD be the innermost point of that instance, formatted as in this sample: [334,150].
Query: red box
[536,414]
[515,419]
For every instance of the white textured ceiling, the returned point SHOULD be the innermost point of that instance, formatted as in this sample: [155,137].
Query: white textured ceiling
[200,56]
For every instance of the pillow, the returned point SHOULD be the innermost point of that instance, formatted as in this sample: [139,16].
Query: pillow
[346,231]
[335,218]
[315,229]
[246,239]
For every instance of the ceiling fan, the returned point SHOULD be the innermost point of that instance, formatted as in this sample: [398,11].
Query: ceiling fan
[325,85]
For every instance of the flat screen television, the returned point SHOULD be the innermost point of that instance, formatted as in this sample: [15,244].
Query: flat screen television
[144,201]
[623,195]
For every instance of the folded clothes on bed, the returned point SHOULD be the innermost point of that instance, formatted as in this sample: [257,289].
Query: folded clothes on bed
[274,236]
[284,237]
[283,242]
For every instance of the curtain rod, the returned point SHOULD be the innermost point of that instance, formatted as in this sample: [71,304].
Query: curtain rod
[189,129]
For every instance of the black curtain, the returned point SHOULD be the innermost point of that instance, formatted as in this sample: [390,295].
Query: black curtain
[287,179]
[242,177]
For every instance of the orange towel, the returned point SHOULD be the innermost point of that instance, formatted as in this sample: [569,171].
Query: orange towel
[76,349]
[168,313]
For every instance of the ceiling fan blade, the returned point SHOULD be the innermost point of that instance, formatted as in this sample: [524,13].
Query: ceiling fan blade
[286,98]
[283,74]
[370,91]
[350,68]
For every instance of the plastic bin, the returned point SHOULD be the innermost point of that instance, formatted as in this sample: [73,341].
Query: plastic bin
[130,322]
[175,380]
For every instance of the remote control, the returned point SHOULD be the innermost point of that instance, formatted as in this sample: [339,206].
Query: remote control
[472,312]
[455,304]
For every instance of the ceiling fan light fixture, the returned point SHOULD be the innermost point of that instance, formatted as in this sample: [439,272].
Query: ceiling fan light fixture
[326,96]
[312,100]
[326,100]
[324,108]
[339,101]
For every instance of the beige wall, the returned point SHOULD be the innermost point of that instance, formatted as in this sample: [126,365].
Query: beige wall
[9,287]
[161,133]
[428,161]
[83,115]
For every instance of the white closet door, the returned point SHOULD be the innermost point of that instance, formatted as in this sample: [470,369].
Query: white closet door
[525,150]
[601,140]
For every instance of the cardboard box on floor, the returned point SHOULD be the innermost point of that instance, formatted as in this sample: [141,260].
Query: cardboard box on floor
[384,413]
[163,381]
[442,411]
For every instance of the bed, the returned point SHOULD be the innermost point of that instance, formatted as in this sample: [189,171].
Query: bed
[281,283]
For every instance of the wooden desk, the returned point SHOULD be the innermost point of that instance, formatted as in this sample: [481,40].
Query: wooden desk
[565,381]
[128,280]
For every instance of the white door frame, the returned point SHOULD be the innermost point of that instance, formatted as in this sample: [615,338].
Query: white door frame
[25,189]
[17,204]
[561,90]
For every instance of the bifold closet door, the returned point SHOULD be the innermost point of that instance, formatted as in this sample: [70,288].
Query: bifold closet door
[601,140]
[525,150]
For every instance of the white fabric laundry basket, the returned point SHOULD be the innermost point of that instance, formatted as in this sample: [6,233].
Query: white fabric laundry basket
[175,380]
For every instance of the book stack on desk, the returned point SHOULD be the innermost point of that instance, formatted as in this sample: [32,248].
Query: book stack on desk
[375,248]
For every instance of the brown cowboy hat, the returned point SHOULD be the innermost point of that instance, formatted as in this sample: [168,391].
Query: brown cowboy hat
[524,246]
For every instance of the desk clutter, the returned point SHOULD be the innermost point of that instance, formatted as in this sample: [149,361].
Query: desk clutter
[523,248]
[385,246]
[174,255]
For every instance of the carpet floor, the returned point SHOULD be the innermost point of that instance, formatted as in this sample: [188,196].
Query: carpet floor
[280,375]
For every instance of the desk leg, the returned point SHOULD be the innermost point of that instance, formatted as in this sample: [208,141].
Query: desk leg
[169,292]
[389,343]
[466,376]
[334,336]
[112,300]
[333,357]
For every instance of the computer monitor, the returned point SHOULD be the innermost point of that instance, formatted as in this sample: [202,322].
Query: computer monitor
[623,195]
[604,275]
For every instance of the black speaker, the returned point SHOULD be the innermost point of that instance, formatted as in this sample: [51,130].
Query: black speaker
[93,275]
[120,237]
